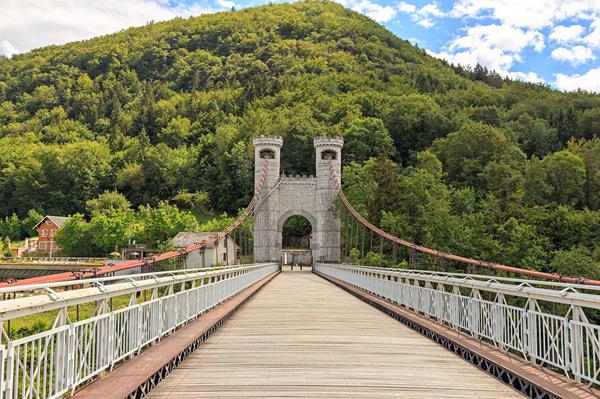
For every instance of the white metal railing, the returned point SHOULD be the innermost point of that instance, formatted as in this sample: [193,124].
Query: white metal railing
[53,259]
[567,342]
[54,362]
[132,279]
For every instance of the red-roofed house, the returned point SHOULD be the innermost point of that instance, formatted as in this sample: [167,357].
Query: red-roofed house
[46,229]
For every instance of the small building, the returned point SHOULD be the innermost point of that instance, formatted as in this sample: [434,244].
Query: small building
[218,252]
[46,230]
[134,251]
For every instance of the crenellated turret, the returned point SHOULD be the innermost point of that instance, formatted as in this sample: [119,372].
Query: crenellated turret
[328,154]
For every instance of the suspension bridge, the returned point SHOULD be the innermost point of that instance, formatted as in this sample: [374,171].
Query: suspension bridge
[173,327]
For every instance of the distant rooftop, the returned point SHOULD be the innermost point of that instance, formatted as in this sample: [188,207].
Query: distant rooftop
[59,221]
[185,238]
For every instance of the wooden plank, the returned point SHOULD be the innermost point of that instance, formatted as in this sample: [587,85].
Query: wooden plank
[556,385]
[303,337]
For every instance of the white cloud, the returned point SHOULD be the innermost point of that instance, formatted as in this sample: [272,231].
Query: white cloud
[406,7]
[593,38]
[29,24]
[566,34]
[589,81]
[425,23]
[502,37]
[531,77]
[227,4]
[533,14]
[7,48]
[575,55]
[492,58]
[422,16]
[376,11]
[372,10]
[430,9]
[497,47]
[564,20]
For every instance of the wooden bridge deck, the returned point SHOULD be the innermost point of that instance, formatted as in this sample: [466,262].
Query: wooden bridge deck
[302,337]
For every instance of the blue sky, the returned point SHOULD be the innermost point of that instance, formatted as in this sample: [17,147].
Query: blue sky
[552,41]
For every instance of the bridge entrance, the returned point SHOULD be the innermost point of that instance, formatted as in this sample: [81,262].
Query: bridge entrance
[296,241]
[285,196]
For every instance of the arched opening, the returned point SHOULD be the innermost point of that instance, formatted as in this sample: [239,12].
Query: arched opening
[328,155]
[267,154]
[296,240]
[296,233]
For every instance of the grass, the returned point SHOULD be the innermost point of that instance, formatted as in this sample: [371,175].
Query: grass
[32,324]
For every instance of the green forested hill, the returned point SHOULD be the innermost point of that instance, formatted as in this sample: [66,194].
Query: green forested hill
[467,161]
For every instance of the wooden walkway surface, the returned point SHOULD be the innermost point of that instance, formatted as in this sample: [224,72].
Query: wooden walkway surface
[302,337]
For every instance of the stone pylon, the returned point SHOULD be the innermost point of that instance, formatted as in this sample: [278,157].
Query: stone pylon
[285,196]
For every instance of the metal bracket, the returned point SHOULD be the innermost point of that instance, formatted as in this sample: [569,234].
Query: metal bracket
[51,293]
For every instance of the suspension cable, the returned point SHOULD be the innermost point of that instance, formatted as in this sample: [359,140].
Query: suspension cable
[151,260]
[448,256]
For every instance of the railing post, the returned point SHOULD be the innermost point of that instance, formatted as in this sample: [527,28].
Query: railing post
[10,371]
[71,350]
[500,321]
[575,344]
[531,330]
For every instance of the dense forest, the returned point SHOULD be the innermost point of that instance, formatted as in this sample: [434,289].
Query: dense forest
[155,123]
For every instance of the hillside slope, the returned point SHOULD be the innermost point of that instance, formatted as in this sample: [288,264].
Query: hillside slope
[167,112]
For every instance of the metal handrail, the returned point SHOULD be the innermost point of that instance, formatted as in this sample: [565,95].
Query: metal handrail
[55,362]
[523,290]
[567,341]
[24,306]
[484,277]
[89,281]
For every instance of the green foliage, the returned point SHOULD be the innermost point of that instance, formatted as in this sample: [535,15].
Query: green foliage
[577,261]
[589,151]
[74,237]
[534,136]
[147,127]
[108,202]
[354,257]
[466,153]
[296,232]
[366,138]
[163,222]
[191,201]
[26,331]
[111,229]
[17,229]
[565,175]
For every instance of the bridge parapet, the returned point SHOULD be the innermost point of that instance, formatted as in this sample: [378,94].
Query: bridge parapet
[542,321]
[54,362]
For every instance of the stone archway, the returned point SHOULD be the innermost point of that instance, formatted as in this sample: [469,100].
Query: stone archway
[284,217]
[308,196]
[306,255]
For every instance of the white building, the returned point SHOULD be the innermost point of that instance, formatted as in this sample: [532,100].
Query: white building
[212,254]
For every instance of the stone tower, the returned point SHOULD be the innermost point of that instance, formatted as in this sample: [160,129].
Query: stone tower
[285,196]
[329,150]
[265,216]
